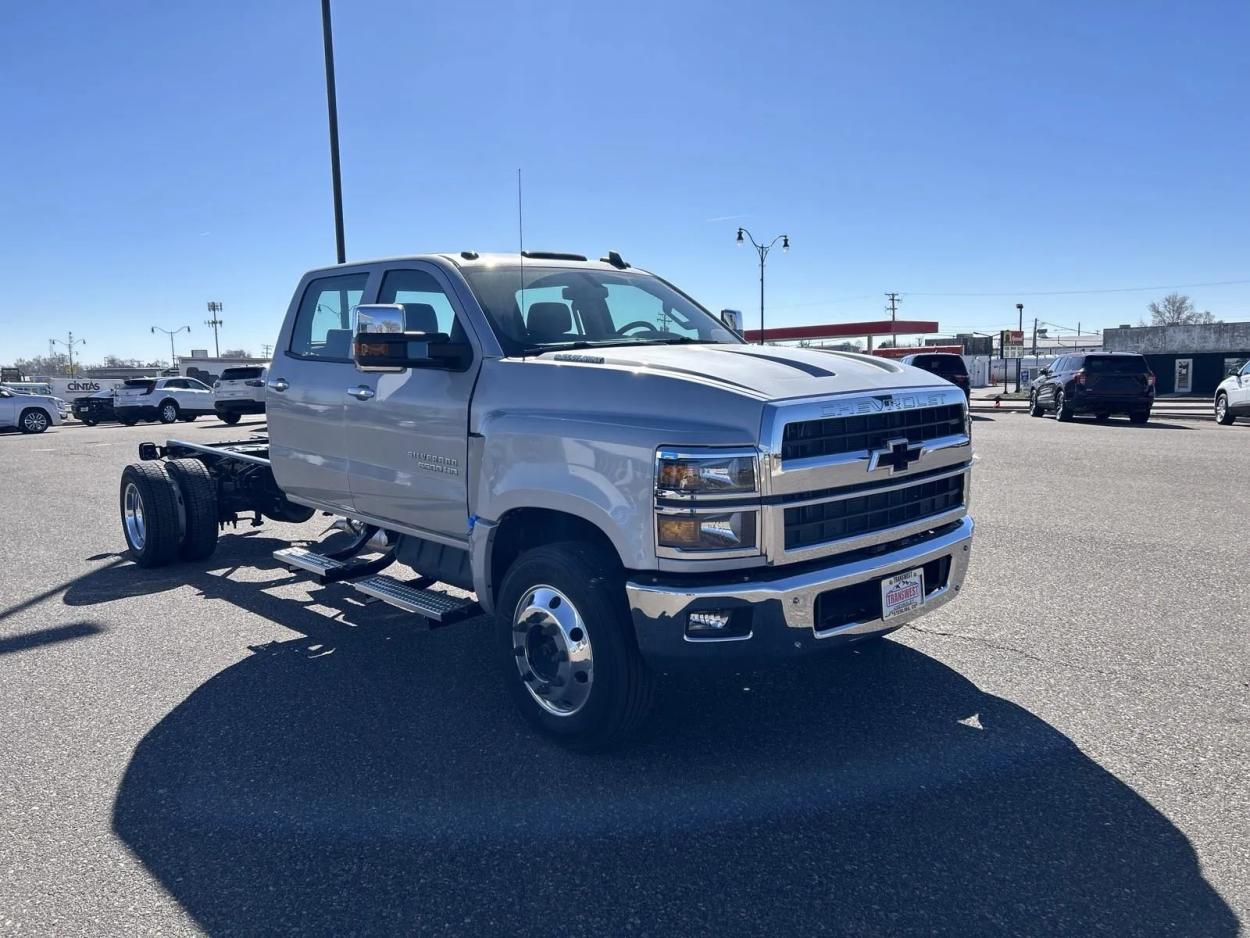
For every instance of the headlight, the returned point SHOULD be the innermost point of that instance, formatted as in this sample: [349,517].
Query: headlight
[731,530]
[685,474]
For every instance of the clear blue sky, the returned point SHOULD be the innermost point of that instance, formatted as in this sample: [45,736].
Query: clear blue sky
[157,155]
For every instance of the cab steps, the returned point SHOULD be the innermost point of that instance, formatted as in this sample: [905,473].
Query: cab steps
[439,608]
[328,570]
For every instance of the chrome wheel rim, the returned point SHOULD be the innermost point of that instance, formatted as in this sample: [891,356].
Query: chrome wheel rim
[1058,404]
[1221,408]
[170,413]
[132,517]
[552,651]
[36,421]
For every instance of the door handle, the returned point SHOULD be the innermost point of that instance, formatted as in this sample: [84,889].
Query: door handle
[279,384]
[361,393]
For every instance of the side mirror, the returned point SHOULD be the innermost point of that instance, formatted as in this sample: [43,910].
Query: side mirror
[733,319]
[383,344]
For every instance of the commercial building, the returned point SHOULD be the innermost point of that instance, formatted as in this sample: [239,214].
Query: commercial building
[1189,359]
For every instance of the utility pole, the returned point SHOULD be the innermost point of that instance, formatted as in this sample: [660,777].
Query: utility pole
[265,349]
[1020,329]
[762,250]
[69,342]
[214,310]
[332,108]
[173,360]
[893,308]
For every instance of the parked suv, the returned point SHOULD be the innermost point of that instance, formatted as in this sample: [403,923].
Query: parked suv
[31,413]
[240,391]
[945,365]
[1232,397]
[163,399]
[1102,384]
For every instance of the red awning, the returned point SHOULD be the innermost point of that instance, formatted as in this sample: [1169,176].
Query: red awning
[843,330]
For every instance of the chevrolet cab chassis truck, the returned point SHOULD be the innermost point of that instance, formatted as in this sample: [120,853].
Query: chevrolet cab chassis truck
[620,481]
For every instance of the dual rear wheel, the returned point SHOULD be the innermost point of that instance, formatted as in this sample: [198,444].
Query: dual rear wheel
[169,511]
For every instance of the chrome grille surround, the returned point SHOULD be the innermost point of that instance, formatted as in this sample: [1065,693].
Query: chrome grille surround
[798,482]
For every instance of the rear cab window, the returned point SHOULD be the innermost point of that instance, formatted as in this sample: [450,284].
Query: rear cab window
[323,323]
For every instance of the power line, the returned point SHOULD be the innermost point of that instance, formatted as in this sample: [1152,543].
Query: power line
[1165,286]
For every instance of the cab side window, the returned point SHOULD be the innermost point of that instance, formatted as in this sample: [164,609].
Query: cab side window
[426,306]
[323,324]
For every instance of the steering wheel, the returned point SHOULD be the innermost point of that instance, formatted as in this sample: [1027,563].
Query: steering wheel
[649,326]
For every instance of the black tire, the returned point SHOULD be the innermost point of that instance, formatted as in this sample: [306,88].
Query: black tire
[1139,417]
[1035,409]
[33,420]
[157,496]
[168,412]
[90,423]
[1063,413]
[1102,418]
[199,506]
[622,687]
[1225,418]
[231,419]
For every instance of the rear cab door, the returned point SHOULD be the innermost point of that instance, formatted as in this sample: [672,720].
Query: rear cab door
[309,379]
[407,432]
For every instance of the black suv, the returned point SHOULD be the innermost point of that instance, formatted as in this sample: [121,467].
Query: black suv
[943,364]
[1100,383]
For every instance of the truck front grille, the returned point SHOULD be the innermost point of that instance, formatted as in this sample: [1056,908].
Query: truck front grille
[808,525]
[833,435]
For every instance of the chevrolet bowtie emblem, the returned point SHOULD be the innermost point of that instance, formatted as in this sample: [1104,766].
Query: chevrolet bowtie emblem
[897,454]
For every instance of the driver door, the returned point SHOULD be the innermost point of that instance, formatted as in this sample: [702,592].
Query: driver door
[407,432]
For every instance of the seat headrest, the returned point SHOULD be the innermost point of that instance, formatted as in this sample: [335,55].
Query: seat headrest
[549,319]
[420,317]
[338,343]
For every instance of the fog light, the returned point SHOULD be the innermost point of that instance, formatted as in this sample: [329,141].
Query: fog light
[712,624]
[712,621]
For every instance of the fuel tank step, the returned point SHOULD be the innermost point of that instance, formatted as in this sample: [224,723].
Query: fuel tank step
[299,558]
[439,608]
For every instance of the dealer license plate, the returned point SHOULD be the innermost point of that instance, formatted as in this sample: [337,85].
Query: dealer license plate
[902,592]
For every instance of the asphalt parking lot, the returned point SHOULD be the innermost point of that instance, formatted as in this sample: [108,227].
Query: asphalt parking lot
[224,748]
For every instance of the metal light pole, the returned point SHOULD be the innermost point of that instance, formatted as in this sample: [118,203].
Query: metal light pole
[173,361]
[1020,329]
[763,250]
[69,342]
[332,108]
[214,309]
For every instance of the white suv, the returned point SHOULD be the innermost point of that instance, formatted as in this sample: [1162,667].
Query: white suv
[31,413]
[240,391]
[163,399]
[1232,396]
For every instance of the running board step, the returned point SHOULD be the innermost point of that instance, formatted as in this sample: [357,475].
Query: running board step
[439,608]
[299,558]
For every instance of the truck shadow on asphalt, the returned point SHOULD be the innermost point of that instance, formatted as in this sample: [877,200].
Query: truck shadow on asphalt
[370,776]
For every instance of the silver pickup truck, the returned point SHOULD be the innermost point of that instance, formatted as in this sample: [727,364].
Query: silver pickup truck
[611,472]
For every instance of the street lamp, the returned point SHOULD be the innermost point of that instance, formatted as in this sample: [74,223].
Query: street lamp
[763,250]
[173,362]
[69,342]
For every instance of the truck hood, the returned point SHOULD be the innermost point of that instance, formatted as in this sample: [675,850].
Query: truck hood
[765,372]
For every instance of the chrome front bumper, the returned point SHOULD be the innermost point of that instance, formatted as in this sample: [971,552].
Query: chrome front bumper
[783,608]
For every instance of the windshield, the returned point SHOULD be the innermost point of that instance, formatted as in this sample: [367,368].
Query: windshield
[579,308]
[1116,364]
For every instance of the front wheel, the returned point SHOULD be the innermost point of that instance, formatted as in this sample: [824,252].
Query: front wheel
[230,419]
[33,420]
[1035,409]
[1222,414]
[1139,417]
[566,646]
[89,422]
[168,412]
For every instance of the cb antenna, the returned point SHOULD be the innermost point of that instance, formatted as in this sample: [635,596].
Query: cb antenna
[520,230]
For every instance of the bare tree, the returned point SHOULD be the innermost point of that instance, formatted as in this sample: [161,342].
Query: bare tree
[1176,309]
[236,353]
